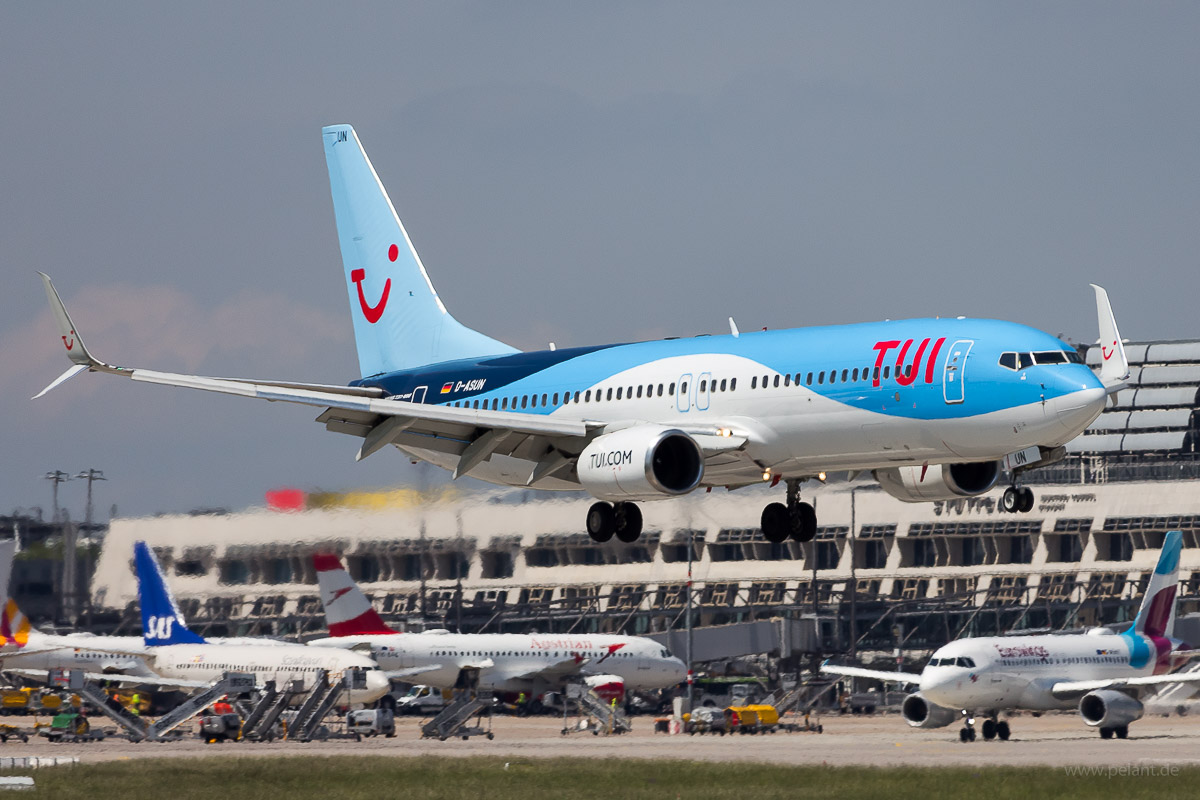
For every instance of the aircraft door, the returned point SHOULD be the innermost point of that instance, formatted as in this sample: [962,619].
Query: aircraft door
[955,371]
[683,398]
[703,391]
[419,394]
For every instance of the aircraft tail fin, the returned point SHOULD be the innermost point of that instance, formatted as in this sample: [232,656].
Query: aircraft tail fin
[399,320]
[1156,617]
[347,609]
[162,621]
[14,626]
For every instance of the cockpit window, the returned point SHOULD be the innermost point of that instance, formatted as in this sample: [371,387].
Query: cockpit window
[963,661]
[1018,361]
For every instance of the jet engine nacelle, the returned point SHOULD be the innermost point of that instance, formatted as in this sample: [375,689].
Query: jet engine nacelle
[920,713]
[938,481]
[646,462]
[1108,708]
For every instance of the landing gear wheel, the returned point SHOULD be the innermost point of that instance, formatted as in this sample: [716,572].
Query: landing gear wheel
[628,522]
[1106,733]
[804,523]
[776,523]
[601,522]
[1002,730]
[989,729]
[1026,499]
[966,735]
[1010,501]
[1122,731]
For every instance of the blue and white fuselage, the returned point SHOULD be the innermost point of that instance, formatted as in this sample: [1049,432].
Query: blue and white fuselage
[809,400]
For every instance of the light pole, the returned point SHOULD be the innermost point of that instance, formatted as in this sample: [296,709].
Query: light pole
[853,584]
[90,475]
[68,535]
[691,546]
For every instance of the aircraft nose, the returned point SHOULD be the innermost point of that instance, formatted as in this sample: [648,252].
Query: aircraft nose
[377,685]
[1078,409]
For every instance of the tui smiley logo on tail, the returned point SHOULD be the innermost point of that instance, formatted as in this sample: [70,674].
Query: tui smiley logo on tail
[373,312]
[71,344]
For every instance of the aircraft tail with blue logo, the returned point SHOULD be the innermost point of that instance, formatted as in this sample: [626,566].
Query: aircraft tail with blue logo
[399,320]
[1156,618]
[162,622]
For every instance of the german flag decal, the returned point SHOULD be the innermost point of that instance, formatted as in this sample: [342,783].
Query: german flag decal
[447,387]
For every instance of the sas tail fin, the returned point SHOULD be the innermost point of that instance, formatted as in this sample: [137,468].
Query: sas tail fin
[347,609]
[1156,617]
[399,320]
[162,622]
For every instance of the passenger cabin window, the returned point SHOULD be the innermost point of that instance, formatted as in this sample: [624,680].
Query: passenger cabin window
[704,385]
[722,384]
[733,384]
[618,392]
[754,382]
[609,395]
[682,389]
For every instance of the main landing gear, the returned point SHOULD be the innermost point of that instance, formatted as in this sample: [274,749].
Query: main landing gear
[993,728]
[1122,732]
[606,519]
[1017,499]
[796,520]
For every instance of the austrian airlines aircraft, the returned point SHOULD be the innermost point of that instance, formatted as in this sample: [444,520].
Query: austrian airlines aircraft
[533,664]
[935,408]
[1101,672]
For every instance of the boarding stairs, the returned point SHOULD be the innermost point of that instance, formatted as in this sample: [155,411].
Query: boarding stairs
[259,725]
[1176,695]
[605,717]
[453,719]
[231,683]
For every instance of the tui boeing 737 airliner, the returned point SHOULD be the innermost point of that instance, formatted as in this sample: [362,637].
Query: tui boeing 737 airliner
[934,408]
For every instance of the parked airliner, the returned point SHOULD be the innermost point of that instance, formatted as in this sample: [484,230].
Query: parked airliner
[1101,672]
[530,663]
[177,657]
[934,408]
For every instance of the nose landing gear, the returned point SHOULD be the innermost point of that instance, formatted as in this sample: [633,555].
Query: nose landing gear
[796,520]
[1017,499]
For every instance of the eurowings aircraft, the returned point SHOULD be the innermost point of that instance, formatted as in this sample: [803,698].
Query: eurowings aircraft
[177,657]
[1103,673]
[510,662]
[934,408]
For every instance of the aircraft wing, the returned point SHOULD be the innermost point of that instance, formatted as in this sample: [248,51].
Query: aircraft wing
[403,674]
[859,672]
[132,680]
[473,435]
[1064,689]
[563,668]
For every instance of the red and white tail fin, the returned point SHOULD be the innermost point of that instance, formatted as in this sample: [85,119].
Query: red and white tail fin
[14,626]
[347,609]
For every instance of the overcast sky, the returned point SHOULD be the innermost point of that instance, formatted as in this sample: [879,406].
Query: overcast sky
[569,172]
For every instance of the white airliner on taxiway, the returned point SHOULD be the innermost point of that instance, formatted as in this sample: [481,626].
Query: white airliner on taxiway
[509,662]
[935,409]
[1101,672]
[176,657]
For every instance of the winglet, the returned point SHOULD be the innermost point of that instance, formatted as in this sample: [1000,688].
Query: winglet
[1114,368]
[76,350]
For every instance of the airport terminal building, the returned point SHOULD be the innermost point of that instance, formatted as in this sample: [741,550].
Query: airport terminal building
[881,573]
